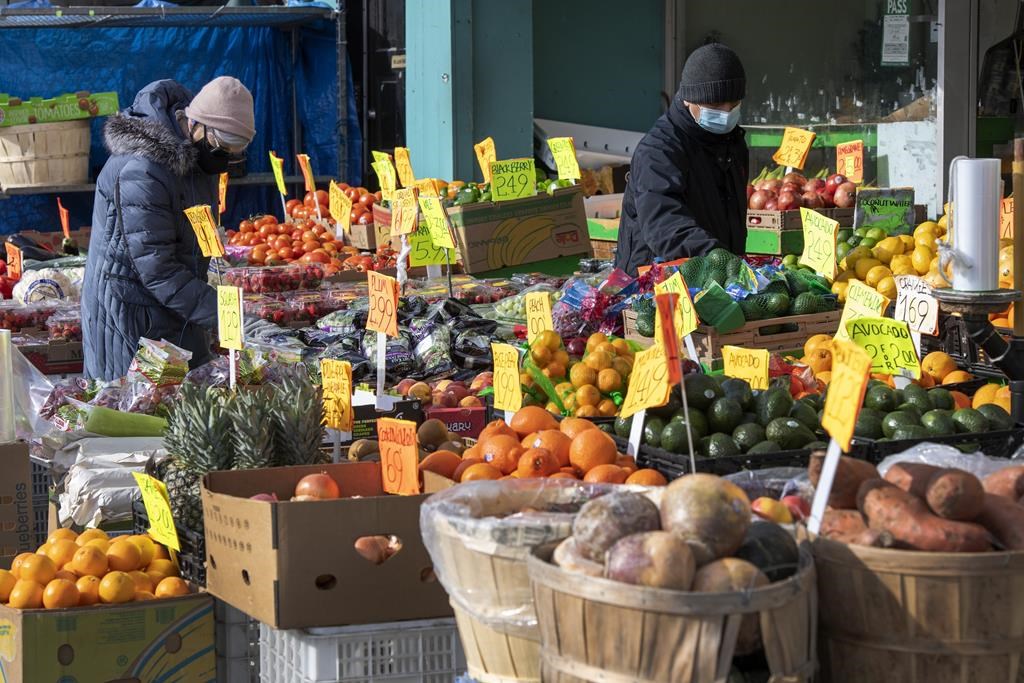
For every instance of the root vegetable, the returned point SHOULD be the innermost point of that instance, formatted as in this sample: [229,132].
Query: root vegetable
[850,473]
[848,526]
[1005,519]
[1007,482]
[912,477]
[658,559]
[950,493]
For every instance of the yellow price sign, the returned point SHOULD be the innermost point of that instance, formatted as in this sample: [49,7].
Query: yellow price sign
[861,302]
[649,386]
[436,220]
[564,152]
[796,143]
[403,164]
[277,166]
[399,456]
[685,315]
[383,313]
[380,156]
[229,317]
[14,261]
[205,228]
[405,212]
[222,193]
[508,393]
[158,509]
[1006,218]
[851,368]
[746,364]
[513,179]
[307,172]
[340,206]
[386,178]
[423,252]
[428,186]
[485,156]
[538,315]
[819,242]
[850,160]
[888,343]
[336,379]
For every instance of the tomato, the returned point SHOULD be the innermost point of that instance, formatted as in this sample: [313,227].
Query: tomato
[357,211]
[280,241]
[362,191]
[318,230]
[344,186]
[268,230]
[330,247]
[352,193]
[300,212]
[379,195]
[233,240]
[284,229]
[368,200]
[317,256]
[285,254]
[365,219]
[307,247]
[296,235]
[263,220]
[308,235]
[291,204]
[296,246]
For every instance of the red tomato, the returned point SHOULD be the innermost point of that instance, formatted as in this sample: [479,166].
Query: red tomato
[318,230]
[352,193]
[290,204]
[379,195]
[344,186]
[284,229]
[308,247]
[296,235]
[285,254]
[300,212]
[368,200]
[365,219]
[361,191]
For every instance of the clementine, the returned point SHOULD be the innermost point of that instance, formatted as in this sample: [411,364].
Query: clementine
[502,452]
[494,428]
[19,559]
[537,462]
[531,419]
[481,471]
[38,568]
[626,462]
[443,463]
[961,399]
[588,395]
[552,440]
[606,474]
[595,340]
[609,380]
[60,593]
[60,550]
[938,364]
[463,466]
[647,477]
[88,590]
[116,587]
[141,596]
[592,448]
[598,360]
[7,581]
[26,595]
[957,376]
[90,535]
[143,581]
[573,427]
[607,408]
[581,374]
[124,556]
[65,534]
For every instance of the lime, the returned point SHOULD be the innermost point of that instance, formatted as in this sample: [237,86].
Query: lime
[868,242]
[854,241]
[842,249]
[861,232]
[877,234]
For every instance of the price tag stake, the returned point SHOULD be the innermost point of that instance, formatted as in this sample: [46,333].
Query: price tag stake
[820,235]
[796,143]
[203,224]
[158,509]
[485,156]
[564,152]
[747,364]
[341,208]
[229,317]
[383,314]
[399,456]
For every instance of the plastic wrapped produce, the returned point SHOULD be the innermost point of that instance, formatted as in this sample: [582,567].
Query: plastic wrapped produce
[432,347]
[16,316]
[65,325]
[513,308]
[268,279]
[153,378]
[399,359]
[49,285]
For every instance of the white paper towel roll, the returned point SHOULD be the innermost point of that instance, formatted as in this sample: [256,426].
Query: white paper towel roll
[7,434]
[976,191]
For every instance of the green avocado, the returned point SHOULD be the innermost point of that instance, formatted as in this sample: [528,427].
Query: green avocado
[938,423]
[673,437]
[868,426]
[724,415]
[701,391]
[772,404]
[917,397]
[652,431]
[805,414]
[880,398]
[788,433]
[721,445]
[998,418]
[623,426]
[698,422]
[941,398]
[765,447]
[739,391]
[970,421]
[748,435]
[896,419]
[904,432]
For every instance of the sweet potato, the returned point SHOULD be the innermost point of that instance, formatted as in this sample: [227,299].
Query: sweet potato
[1005,519]
[912,477]
[912,525]
[850,473]
[1007,482]
[847,526]
[950,493]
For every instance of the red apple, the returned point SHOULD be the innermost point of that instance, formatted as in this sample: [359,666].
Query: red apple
[460,392]
[798,507]
[404,386]
[470,402]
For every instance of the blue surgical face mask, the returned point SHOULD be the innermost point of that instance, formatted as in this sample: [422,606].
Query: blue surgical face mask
[718,121]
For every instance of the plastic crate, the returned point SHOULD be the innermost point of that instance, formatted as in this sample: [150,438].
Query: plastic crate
[427,651]
[238,644]
[42,477]
[191,557]
[998,444]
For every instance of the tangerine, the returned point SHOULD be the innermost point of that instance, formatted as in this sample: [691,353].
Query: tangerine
[586,411]
[16,564]
[90,535]
[622,365]
[582,374]
[88,590]
[124,556]
[607,408]
[561,357]
[481,471]
[494,428]
[819,359]
[117,587]
[647,477]
[588,395]
[626,462]
[574,426]
[554,370]
[541,355]
[60,593]
[564,389]
[532,419]
[66,534]
[463,466]
[563,475]
[596,339]
[26,595]
[938,364]
[66,574]
[591,448]
[443,463]
[960,399]
[171,587]
[143,581]
[60,550]
[502,452]
[142,596]
[537,462]
[550,339]
[38,568]
[147,548]
[608,381]
[983,396]
[622,347]
[7,581]
[552,440]
[608,348]
[598,360]
[957,376]
[161,553]
[606,474]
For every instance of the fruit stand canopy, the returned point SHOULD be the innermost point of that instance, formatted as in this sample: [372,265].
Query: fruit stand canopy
[123,49]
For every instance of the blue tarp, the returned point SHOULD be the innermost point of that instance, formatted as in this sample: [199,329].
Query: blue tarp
[50,62]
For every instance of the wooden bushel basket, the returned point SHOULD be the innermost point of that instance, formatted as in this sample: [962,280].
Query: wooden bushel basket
[595,629]
[45,154]
[919,617]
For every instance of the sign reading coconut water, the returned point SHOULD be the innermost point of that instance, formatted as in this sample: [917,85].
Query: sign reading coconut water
[888,208]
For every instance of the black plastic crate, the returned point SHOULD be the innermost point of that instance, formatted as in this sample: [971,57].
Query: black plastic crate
[998,444]
[191,557]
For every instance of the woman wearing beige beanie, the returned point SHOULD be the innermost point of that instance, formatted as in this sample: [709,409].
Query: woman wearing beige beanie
[145,275]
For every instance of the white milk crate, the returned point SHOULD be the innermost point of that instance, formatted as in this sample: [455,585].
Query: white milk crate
[426,651]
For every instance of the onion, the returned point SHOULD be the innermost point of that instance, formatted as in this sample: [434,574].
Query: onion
[791,187]
[373,548]
[795,178]
[845,196]
[576,346]
[811,200]
[771,205]
[814,185]
[266,497]
[318,487]
[770,185]
[788,201]
[758,200]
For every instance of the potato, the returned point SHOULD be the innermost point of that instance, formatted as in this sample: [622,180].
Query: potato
[1007,482]
[912,477]
[657,559]
[1005,519]
[850,473]
[602,521]
[950,493]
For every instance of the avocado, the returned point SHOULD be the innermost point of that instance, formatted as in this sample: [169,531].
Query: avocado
[805,414]
[623,426]
[748,435]
[880,398]
[814,401]
[673,437]
[652,431]
[607,427]
[868,426]
[748,418]
[739,391]
[917,397]
[997,417]
[969,420]
[941,398]
[938,423]
[724,415]
[871,412]
[904,432]
[896,419]
[788,433]
[698,423]
[701,447]
[765,447]
[665,412]
[816,445]
[721,445]
[772,404]
[701,391]
[910,409]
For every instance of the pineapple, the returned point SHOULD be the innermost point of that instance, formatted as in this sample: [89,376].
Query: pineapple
[298,414]
[252,429]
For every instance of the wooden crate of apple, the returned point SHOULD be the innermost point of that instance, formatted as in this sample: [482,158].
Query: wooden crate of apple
[447,393]
[589,376]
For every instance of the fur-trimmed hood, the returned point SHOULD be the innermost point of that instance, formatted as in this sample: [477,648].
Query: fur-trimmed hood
[149,128]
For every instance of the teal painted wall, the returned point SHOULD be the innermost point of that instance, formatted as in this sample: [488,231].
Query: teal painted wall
[599,62]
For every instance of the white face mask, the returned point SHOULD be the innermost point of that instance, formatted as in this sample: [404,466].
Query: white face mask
[718,121]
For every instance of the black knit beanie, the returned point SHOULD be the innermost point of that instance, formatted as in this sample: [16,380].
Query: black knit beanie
[712,74]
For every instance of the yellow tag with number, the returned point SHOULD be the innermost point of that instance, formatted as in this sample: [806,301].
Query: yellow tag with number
[564,152]
[158,509]
[229,317]
[915,305]
[538,315]
[386,177]
[403,164]
[485,156]
[513,179]
[405,212]
[336,379]
[422,251]
[819,243]
[648,383]
[428,187]
[851,368]
[1006,218]
[508,393]
[340,206]
[796,143]
[747,364]
[436,220]
[205,227]
[277,166]
[383,313]
[861,302]
[685,315]
[850,160]
[889,345]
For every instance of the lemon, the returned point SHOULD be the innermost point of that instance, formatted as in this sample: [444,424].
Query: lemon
[864,265]
[901,262]
[927,226]
[922,259]
[887,287]
[908,243]
[943,223]
[876,275]
[839,289]
[926,240]
[857,254]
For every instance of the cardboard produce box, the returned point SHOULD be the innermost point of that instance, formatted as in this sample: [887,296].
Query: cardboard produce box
[53,357]
[369,237]
[167,639]
[466,422]
[15,111]
[17,516]
[293,564]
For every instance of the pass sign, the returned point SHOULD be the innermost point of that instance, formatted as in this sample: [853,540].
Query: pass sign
[889,345]
[383,314]
[399,456]
[796,143]
[508,394]
[746,364]
[851,367]
[648,383]
[819,243]
[513,179]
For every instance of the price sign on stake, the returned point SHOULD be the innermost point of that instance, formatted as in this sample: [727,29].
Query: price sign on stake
[888,344]
[819,243]
[158,509]
[380,156]
[485,156]
[337,384]
[513,179]
[399,456]
[796,143]
[851,368]
[307,172]
[850,160]
[564,152]
[383,314]
[404,167]
[685,316]
[13,260]
[422,251]
[538,315]
[436,220]
[916,306]
[65,224]
[648,383]
[861,302]
[508,394]
[405,213]
[229,317]
[341,207]
[222,194]
[386,177]
[747,364]
[428,187]
[205,228]
[277,166]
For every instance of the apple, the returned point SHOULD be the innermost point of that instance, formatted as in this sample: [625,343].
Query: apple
[421,391]
[798,507]
[404,386]
[481,382]
[442,385]
[772,510]
[470,402]
[814,185]
[445,399]
[458,390]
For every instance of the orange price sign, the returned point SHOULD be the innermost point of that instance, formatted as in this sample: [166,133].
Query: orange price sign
[222,193]
[1006,218]
[340,206]
[796,143]
[850,160]
[383,315]
[405,212]
[508,393]
[307,172]
[14,264]
[399,456]
[485,156]
[65,223]
[403,164]
[205,228]
[277,166]
[336,376]
[648,383]
[851,368]
[428,187]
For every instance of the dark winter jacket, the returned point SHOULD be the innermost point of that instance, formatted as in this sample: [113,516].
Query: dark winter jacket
[686,193]
[145,275]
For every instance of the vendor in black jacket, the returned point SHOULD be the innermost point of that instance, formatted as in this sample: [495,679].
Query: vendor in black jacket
[686,192]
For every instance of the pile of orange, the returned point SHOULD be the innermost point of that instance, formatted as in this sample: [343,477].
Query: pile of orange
[535,444]
[78,570]
[999,394]
[940,368]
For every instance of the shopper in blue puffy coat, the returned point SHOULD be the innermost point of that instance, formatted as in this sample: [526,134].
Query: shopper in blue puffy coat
[145,275]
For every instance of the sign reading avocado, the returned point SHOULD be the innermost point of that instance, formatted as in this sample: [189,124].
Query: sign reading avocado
[891,209]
